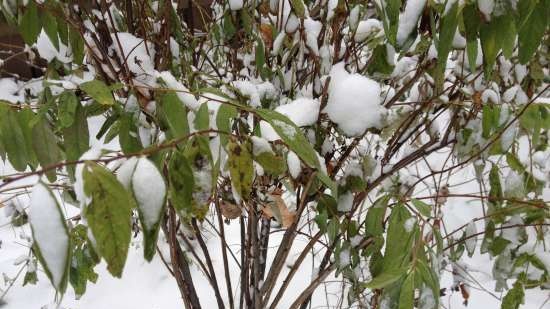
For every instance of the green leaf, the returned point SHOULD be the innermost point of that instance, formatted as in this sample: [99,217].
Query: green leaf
[128,135]
[386,278]
[296,141]
[241,167]
[490,120]
[488,35]
[76,137]
[30,27]
[532,28]
[202,118]
[470,17]
[422,207]
[390,13]
[447,31]
[406,295]
[68,103]
[375,216]
[260,56]
[98,91]
[495,194]
[77,45]
[507,33]
[379,61]
[181,183]
[45,146]
[50,28]
[223,120]
[175,115]
[514,298]
[109,215]
[399,240]
[13,138]
[298,7]
[271,163]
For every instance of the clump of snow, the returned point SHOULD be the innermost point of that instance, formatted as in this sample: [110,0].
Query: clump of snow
[47,50]
[125,172]
[235,5]
[345,202]
[345,258]
[49,231]
[10,91]
[486,7]
[293,162]
[409,19]
[256,92]
[136,52]
[365,28]
[313,28]
[513,185]
[409,224]
[181,91]
[149,189]
[260,145]
[302,111]
[354,102]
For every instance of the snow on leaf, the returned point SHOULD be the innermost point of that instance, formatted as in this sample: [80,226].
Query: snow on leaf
[51,238]
[149,189]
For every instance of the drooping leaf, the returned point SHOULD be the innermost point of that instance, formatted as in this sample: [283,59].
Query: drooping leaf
[45,146]
[109,215]
[68,103]
[13,139]
[98,91]
[181,182]
[386,278]
[241,167]
[532,28]
[175,115]
[30,26]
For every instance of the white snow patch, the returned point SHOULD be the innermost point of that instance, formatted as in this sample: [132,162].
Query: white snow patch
[354,102]
[293,162]
[49,231]
[149,189]
[409,19]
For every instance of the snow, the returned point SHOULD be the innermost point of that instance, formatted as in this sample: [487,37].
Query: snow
[47,50]
[409,224]
[149,189]
[367,27]
[293,162]
[260,145]
[136,52]
[181,91]
[278,42]
[49,231]
[345,202]
[409,19]
[235,5]
[302,111]
[125,172]
[312,28]
[486,7]
[10,91]
[256,91]
[471,240]
[354,102]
